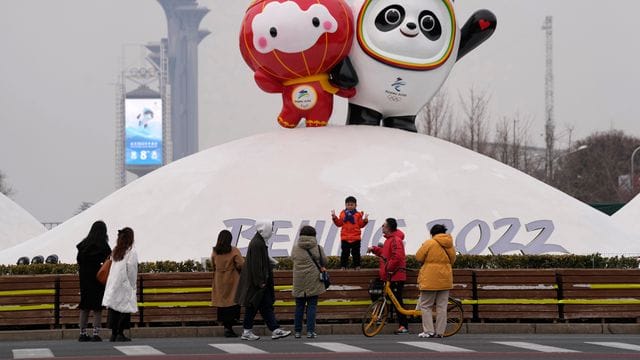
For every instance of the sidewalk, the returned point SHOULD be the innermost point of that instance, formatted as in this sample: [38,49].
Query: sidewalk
[335,329]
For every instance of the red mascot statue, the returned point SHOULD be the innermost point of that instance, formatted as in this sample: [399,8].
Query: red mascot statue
[297,48]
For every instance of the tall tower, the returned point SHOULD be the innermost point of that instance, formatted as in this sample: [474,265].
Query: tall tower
[183,20]
[549,126]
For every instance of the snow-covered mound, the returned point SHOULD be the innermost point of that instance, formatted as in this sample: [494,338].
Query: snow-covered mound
[298,176]
[16,224]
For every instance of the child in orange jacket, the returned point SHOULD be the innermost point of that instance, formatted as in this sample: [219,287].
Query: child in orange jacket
[351,221]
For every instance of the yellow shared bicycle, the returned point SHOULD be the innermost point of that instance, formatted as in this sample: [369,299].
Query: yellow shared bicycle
[377,314]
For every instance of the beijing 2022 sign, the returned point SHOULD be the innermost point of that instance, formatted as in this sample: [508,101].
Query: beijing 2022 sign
[475,237]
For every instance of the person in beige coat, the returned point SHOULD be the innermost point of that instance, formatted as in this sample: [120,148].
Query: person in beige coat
[227,263]
[306,253]
[435,279]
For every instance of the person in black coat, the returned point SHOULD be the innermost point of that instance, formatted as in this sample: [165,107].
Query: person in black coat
[92,252]
[256,291]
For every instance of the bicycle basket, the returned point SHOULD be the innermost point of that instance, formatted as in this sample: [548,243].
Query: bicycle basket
[376,287]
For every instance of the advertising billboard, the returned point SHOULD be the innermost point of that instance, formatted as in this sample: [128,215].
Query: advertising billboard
[143,132]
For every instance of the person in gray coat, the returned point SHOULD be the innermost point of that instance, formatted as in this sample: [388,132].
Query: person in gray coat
[306,279]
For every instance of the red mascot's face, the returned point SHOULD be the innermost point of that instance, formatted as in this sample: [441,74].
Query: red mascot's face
[290,39]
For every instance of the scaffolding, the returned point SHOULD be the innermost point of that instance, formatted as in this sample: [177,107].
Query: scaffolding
[144,69]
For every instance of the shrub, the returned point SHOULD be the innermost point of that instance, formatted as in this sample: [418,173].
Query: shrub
[594,261]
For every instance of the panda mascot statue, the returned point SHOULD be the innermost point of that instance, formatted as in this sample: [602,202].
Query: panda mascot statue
[402,53]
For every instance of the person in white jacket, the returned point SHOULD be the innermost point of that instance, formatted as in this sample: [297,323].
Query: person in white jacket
[120,290]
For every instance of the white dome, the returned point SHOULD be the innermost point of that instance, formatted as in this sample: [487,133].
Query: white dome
[627,217]
[300,175]
[16,224]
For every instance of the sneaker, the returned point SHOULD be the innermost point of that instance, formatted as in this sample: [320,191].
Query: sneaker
[96,338]
[311,335]
[249,335]
[297,335]
[401,330]
[279,333]
[430,335]
[84,338]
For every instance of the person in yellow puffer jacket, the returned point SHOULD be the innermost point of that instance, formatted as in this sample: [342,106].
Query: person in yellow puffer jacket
[435,279]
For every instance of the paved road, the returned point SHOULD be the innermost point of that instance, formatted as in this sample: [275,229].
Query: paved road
[495,346]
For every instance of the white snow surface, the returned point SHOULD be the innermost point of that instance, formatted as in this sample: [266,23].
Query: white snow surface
[16,224]
[629,217]
[293,176]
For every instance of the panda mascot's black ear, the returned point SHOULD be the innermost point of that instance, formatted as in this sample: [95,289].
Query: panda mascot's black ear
[475,31]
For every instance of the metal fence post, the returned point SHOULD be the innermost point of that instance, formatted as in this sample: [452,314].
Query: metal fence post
[560,295]
[56,303]
[474,294]
[141,297]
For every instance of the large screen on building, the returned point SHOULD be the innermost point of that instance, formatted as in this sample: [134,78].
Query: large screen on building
[143,132]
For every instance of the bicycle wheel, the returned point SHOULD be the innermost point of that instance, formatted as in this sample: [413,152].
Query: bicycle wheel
[375,317]
[455,317]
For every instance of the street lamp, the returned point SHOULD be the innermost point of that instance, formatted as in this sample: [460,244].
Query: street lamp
[579,148]
[633,154]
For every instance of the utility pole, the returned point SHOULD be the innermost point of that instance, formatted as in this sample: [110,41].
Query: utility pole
[549,126]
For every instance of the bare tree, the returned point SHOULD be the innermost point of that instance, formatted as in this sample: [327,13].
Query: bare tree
[593,174]
[83,206]
[4,187]
[501,152]
[474,129]
[511,139]
[435,117]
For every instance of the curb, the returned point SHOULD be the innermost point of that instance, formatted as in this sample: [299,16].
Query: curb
[331,329]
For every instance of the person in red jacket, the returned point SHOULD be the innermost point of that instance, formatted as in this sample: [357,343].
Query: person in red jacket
[351,221]
[393,260]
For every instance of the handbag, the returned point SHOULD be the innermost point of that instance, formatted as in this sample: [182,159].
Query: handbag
[103,273]
[324,276]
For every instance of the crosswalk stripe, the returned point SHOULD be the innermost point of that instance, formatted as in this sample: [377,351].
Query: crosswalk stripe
[238,349]
[617,345]
[532,346]
[134,350]
[337,347]
[32,353]
[436,346]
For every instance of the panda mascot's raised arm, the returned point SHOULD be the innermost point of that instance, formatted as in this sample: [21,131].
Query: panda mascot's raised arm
[403,50]
[475,31]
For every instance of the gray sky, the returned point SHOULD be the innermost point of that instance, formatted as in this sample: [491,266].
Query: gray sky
[61,59]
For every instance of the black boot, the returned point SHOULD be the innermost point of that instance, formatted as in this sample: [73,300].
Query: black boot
[121,337]
[228,332]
